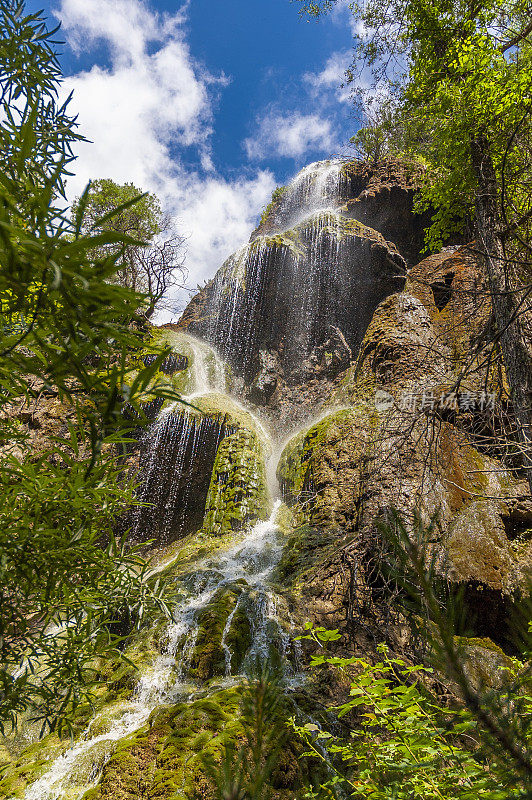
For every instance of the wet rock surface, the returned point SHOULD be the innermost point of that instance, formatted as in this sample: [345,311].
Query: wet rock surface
[282,294]
[366,387]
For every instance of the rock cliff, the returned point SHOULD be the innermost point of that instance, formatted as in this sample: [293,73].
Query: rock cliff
[330,368]
[331,311]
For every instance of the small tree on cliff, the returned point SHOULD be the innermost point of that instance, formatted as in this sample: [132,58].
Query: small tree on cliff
[153,261]
[461,77]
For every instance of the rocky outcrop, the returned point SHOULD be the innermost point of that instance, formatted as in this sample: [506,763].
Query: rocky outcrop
[282,294]
[411,393]
[423,401]
[379,195]
[330,247]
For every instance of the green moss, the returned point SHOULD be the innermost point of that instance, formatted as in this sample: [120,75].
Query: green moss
[354,388]
[239,638]
[295,469]
[114,681]
[305,548]
[165,760]
[486,665]
[208,656]
[277,195]
[238,494]
[30,765]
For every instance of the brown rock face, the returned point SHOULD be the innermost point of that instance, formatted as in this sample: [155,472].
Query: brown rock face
[425,403]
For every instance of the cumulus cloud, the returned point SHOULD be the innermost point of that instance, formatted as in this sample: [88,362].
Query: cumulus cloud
[142,110]
[289,135]
[153,95]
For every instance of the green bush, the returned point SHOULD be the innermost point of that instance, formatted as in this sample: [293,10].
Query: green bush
[68,336]
[401,744]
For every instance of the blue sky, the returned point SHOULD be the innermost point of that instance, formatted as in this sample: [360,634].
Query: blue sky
[209,103]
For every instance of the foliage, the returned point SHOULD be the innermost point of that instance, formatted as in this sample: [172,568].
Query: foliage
[244,773]
[153,263]
[68,338]
[142,220]
[277,193]
[370,142]
[503,717]
[373,141]
[402,744]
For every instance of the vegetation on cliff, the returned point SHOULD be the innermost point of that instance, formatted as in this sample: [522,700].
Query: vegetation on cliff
[459,82]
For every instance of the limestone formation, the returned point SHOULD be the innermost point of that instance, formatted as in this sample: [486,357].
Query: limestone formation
[330,377]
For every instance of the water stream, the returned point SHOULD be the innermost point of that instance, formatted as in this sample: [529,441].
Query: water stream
[171,467]
[243,569]
[247,565]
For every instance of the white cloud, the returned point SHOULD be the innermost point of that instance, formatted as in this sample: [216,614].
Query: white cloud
[331,76]
[289,135]
[215,215]
[152,96]
[125,25]
[342,14]
[151,100]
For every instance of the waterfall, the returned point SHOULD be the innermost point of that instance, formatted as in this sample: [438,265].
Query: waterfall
[225,598]
[312,283]
[235,305]
[205,371]
[247,565]
[309,268]
[175,452]
[178,449]
[276,276]
[282,293]
[315,188]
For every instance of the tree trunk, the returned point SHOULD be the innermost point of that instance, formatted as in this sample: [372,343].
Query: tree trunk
[515,351]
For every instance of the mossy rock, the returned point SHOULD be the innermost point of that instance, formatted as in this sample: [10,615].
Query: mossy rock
[320,468]
[238,638]
[208,658]
[238,494]
[165,761]
[304,549]
[485,664]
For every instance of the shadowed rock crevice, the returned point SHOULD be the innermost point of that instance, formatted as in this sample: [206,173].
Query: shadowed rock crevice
[176,460]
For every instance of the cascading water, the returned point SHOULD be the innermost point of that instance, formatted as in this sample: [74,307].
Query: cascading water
[175,454]
[233,581]
[310,267]
[312,281]
[315,188]
[178,449]
[205,371]
[247,565]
